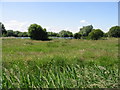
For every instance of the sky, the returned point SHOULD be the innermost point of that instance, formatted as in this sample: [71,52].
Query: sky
[57,16]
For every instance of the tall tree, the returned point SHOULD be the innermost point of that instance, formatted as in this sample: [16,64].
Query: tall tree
[36,32]
[77,35]
[52,34]
[65,33]
[2,29]
[114,31]
[96,34]
[16,33]
[25,34]
[85,30]
[10,33]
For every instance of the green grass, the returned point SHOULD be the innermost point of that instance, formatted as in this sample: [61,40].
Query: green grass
[60,63]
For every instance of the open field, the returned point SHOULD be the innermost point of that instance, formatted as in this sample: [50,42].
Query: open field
[60,63]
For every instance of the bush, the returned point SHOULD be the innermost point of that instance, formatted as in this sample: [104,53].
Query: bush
[20,34]
[16,33]
[36,32]
[105,35]
[96,34]
[77,35]
[114,31]
[25,34]
[10,33]
[53,34]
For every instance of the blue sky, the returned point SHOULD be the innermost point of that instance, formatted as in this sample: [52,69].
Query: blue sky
[56,16]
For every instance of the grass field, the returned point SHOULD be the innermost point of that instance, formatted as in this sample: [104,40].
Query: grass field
[60,63]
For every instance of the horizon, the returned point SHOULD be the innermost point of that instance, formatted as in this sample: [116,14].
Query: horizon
[57,16]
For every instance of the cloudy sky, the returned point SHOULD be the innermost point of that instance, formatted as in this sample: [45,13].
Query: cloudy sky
[57,16]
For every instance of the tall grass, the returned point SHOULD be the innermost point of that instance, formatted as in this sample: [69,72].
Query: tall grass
[60,63]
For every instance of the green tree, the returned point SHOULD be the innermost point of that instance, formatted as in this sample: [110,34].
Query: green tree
[65,33]
[52,34]
[20,34]
[70,34]
[114,31]
[77,35]
[16,33]
[96,34]
[2,29]
[25,34]
[10,33]
[105,35]
[36,32]
[85,30]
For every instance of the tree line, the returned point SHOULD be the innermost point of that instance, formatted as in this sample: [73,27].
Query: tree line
[36,32]
[9,33]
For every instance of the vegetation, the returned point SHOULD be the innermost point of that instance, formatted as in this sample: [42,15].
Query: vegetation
[2,28]
[96,34]
[36,32]
[10,33]
[114,31]
[77,35]
[86,30]
[23,34]
[71,63]
[60,63]
[53,34]
[105,35]
[64,33]
[16,33]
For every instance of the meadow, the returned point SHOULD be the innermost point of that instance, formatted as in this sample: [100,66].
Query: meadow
[60,63]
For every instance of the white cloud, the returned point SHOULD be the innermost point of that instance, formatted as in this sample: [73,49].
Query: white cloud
[16,25]
[23,26]
[83,21]
[52,28]
[57,29]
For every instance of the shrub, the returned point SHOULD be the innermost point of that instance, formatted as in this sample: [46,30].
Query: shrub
[105,34]
[53,34]
[96,34]
[16,33]
[77,35]
[10,33]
